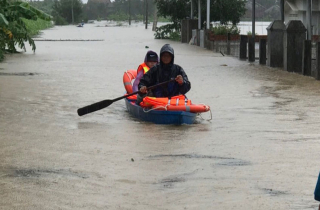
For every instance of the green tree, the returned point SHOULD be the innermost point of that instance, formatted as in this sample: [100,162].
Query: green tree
[13,30]
[69,10]
[223,11]
[92,10]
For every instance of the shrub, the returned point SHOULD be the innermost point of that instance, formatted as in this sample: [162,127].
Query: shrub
[119,17]
[167,32]
[225,29]
[250,33]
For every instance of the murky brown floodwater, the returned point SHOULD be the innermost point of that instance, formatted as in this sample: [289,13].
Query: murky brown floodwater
[260,151]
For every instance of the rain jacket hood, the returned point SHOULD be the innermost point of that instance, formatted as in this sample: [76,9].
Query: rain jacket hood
[169,49]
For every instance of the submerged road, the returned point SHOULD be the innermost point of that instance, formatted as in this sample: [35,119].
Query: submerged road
[260,151]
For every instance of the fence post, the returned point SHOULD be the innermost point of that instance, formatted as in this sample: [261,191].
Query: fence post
[263,51]
[198,37]
[317,73]
[252,49]
[275,43]
[228,43]
[294,37]
[306,65]
[243,47]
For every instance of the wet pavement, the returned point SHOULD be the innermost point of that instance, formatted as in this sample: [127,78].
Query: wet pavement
[260,151]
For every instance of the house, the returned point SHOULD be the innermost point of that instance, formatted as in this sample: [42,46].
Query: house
[298,10]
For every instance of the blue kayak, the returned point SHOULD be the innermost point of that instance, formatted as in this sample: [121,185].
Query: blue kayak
[159,116]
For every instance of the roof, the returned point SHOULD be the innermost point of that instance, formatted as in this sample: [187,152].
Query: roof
[291,5]
[275,8]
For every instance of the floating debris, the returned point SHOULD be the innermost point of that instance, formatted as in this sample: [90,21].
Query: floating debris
[18,74]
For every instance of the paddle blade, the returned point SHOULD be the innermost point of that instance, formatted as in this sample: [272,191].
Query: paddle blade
[94,107]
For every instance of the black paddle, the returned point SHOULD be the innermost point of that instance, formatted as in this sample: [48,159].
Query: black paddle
[105,103]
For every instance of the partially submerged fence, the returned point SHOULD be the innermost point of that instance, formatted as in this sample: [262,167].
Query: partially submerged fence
[231,44]
[285,47]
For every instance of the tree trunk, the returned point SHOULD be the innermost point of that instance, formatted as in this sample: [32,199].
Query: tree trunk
[155,18]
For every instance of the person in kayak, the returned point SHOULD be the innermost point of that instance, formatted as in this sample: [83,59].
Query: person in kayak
[162,72]
[151,59]
[317,191]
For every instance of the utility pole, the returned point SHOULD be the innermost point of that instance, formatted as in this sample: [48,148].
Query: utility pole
[191,15]
[146,2]
[199,14]
[253,18]
[208,14]
[72,12]
[129,12]
[252,43]
[144,10]
[309,19]
[282,10]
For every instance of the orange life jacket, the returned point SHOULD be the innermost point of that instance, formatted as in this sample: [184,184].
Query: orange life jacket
[175,103]
[175,100]
[143,67]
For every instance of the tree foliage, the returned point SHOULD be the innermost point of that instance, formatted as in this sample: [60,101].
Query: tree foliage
[224,11]
[13,30]
[95,10]
[65,8]
[175,10]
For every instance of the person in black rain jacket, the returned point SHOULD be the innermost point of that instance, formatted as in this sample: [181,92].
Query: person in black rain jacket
[162,72]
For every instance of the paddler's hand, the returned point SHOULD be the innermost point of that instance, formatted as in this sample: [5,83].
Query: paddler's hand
[179,79]
[143,90]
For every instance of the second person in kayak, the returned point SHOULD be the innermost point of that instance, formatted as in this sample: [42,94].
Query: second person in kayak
[162,72]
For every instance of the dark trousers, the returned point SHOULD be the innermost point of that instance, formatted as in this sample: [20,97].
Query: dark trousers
[141,97]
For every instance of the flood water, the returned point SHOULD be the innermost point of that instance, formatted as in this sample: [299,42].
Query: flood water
[260,150]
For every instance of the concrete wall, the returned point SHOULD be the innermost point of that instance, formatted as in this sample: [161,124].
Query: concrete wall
[187,26]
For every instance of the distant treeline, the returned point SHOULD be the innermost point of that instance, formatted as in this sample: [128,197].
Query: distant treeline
[94,10]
